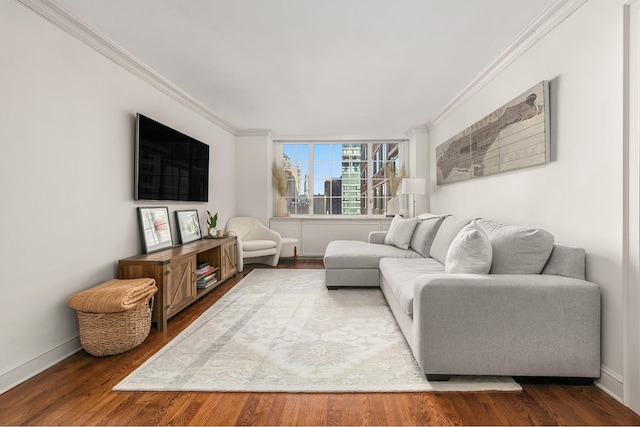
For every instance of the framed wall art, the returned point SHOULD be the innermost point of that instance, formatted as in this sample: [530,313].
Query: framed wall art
[515,136]
[155,230]
[188,226]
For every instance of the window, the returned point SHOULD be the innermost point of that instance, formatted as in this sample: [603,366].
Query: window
[338,179]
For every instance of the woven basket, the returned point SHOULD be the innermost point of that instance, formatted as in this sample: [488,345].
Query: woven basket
[106,334]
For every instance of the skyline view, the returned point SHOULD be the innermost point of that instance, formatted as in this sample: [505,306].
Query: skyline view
[344,178]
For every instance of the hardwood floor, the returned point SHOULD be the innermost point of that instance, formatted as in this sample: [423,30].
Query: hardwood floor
[77,391]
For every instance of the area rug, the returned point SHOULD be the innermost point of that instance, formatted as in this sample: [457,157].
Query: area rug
[283,331]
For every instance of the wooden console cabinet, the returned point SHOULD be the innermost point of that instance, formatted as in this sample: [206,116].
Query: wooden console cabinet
[174,270]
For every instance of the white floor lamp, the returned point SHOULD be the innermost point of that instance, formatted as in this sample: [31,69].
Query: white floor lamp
[413,186]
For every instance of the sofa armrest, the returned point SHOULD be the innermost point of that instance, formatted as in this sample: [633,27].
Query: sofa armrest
[377,237]
[529,325]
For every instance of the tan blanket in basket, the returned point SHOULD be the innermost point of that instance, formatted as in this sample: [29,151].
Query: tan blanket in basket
[113,296]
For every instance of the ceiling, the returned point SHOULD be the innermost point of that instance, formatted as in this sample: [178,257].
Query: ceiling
[315,67]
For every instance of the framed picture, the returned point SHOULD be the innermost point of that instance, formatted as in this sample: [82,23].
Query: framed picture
[188,226]
[155,230]
[515,136]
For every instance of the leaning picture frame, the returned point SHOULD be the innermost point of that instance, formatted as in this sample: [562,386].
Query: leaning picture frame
[188,226]
[155,229]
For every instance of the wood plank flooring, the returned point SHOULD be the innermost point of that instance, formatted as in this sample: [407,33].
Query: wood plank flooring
[77,391]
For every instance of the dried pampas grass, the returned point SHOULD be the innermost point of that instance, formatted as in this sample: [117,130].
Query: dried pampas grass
[279,179]
[394,180]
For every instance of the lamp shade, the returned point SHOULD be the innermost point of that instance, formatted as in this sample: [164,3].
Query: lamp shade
[412,186]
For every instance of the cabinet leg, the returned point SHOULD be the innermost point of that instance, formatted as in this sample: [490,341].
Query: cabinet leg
[162,320]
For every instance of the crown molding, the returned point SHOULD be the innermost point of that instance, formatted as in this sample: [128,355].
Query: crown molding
[254,132]
[63,18]
[416,130]
[546,21]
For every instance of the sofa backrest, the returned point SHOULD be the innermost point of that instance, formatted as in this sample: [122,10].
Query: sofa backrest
[566,261]
[540,253]
[447,231]
[425,232]
[517,250]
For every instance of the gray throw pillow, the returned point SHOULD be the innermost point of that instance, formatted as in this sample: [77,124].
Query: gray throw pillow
[448,231]
[424,234]
[517,250]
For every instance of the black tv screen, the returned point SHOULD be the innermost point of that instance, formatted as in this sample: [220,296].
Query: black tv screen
[169,165]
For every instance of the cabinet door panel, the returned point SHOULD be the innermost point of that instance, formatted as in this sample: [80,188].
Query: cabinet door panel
[229,263]
[181,287]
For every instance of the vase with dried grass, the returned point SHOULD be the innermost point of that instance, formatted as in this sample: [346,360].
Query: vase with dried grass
[279,178]
[393,185]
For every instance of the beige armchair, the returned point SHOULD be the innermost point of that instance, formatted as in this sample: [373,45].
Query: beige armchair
[256,243]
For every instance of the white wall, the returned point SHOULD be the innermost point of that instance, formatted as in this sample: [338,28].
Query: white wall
[66,168]
[577,197]
[253,174]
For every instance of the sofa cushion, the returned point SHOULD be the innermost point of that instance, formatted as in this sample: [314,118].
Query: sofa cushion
[448,231]
[257,245]
[401,275]
[424,233]
[400,232]
[517,250]
[470,252]
[357,254]
[428,215]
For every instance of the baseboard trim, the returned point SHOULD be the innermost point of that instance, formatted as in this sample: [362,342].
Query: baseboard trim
[611,383]
[33,367]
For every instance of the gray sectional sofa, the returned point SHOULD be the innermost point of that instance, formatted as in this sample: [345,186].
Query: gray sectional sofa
[475,297]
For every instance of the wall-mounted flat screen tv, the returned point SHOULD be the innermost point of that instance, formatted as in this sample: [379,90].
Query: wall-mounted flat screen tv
[169,165]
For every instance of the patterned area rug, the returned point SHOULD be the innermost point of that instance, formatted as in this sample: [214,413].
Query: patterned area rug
[283,331]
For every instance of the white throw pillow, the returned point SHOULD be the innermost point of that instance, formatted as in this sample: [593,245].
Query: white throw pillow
[470,252]
[400,232]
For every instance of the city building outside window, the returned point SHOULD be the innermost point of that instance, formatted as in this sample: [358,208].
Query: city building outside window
[345,178]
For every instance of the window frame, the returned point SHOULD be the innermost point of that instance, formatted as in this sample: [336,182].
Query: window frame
[372,204]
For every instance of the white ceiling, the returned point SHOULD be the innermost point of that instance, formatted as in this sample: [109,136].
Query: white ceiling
[315,67]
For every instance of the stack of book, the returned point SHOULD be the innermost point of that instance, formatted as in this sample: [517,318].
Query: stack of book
[206,275]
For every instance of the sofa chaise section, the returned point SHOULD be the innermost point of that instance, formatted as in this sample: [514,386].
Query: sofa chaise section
[355,263]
